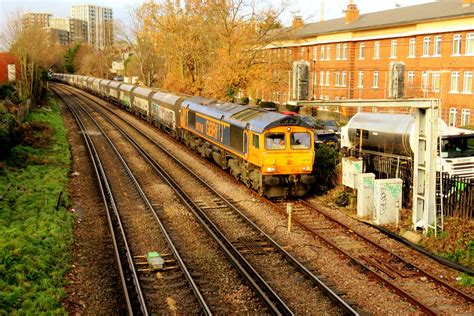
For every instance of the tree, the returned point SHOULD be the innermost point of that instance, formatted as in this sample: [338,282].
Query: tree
[69,58]
[31,46]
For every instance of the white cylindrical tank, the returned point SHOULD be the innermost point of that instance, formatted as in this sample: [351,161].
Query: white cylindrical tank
[127,80]
[134,79]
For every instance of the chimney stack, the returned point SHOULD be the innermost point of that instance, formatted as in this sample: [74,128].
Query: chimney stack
[352,12]
[297,22]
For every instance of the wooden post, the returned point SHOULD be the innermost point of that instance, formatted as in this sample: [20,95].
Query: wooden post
[289,210]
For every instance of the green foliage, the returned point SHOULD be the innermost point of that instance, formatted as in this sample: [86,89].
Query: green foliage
[243,100]
[293,108]
[342,199]
[442,235]
[268,104]
[7,122]
[326,159]
[35,238]
[466,280]
[69,58]
[453,255]
[9,91]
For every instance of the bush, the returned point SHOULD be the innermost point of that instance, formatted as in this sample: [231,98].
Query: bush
[326,159]
[7,123]
[268,104]
[293,108]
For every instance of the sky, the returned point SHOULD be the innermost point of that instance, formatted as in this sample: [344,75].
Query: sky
[308,9]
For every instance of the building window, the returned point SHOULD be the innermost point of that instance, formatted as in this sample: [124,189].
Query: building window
[321,53]
[435,81]
[437,46]
[315,53]
[452,116]
[411,47]
[393,49]
[303,53]
[426,46]
[411,78]
[321,78]
[360,81]
[469,44]
[361,51]
[376,50]
[337,78]
[376,80]
[454,82]
[338,51]
[457,44]
[343,78]
[465,117]
[328,52]
[467,82]
[328,75]
[424,80]
[344,51]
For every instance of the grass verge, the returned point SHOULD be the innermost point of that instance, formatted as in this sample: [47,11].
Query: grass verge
[35,238]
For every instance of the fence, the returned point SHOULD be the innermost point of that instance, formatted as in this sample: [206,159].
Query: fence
[457,197]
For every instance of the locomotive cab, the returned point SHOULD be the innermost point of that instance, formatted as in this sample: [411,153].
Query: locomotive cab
[286,156]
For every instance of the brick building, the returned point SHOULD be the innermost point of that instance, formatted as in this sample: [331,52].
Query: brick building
[425,50]
[36,20]
[9,68]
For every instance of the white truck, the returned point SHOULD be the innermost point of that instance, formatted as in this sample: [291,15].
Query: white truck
[393,135]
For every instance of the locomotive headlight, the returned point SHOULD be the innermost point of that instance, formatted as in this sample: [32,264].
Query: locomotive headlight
[306,168]
[270,169]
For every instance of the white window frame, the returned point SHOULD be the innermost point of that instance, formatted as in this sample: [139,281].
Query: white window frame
[426,46]
[321,52]
[437,46]
[360,80]
[465,117]
[412,48]
[457,41]
[467,83]
[393,49]
[377,50]
[361,50]
[452,116]
[328,78]
[321,78]
[328,52]
[337,79]
[454,87]
[302,53]
[424,80]
[411,78]
[435,81]
[344,51]
[469,44]
[338,51]
[375,81]
[315,53]
[343,79]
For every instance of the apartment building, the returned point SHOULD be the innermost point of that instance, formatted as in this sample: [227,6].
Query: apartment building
[76,28]
[425,50]
[100,23]
[36,20]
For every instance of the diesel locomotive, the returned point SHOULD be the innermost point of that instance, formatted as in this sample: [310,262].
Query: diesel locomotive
[270,152]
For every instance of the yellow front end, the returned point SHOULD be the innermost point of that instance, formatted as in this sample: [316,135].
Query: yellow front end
[285,156]
[287,150]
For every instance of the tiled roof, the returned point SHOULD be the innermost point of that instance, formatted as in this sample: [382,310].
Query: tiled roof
[441,9]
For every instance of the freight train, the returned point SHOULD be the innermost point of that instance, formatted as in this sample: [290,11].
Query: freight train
[270,152]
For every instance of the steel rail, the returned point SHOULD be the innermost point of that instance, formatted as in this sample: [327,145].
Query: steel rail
[110,207]
[437,280]
[327,290]
[200,298]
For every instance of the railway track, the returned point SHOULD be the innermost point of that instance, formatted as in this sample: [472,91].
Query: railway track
[429,293]
[252,250]
[137,285]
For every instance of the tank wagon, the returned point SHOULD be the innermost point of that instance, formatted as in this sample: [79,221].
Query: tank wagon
[270,152]
[394,134]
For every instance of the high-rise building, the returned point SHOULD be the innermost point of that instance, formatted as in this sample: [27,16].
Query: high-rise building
[36,20]
[76,28]
[100,23]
